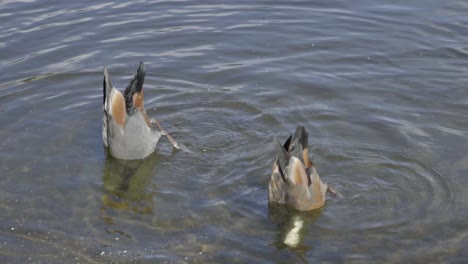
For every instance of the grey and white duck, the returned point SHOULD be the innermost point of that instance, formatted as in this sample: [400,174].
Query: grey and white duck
[128,132]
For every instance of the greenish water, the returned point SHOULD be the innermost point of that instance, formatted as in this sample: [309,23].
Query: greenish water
[381,88]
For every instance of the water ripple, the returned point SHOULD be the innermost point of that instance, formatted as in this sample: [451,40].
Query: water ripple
[379,86]
[396,189]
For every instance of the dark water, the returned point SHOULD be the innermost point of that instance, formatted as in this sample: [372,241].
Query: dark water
[380,86]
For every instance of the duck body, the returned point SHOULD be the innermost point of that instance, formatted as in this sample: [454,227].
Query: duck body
[294,180]
[127,132]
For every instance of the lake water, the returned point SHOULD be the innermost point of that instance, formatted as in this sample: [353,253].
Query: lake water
[381,87]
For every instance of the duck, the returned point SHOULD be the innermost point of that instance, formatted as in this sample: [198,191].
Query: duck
[294,180]
[127,131]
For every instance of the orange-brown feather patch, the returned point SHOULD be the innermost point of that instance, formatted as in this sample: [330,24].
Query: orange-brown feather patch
[305,156]
[138,101]
[299,174]
[317,191]
[118,111]
[298,178]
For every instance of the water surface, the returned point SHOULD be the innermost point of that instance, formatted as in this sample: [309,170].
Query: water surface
[380,86]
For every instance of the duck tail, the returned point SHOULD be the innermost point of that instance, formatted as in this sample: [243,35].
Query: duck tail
[106,90]
[298,143]
[135,85]
[301,136]
[282,158]
[106,85]
[287,143]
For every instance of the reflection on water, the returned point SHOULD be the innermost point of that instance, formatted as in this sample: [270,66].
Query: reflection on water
[380,86]
[292,226]
[128,184]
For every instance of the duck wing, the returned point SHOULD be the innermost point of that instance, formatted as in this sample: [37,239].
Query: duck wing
[114,107]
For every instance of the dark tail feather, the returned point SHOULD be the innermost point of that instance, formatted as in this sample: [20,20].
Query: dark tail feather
[282,157]
[106,85]
[301,136]
[298,143]
[136,84]
[287,143]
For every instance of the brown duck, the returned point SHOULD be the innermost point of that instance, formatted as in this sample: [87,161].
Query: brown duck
[294,180]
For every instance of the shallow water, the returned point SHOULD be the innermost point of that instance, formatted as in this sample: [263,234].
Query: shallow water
[381,88]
